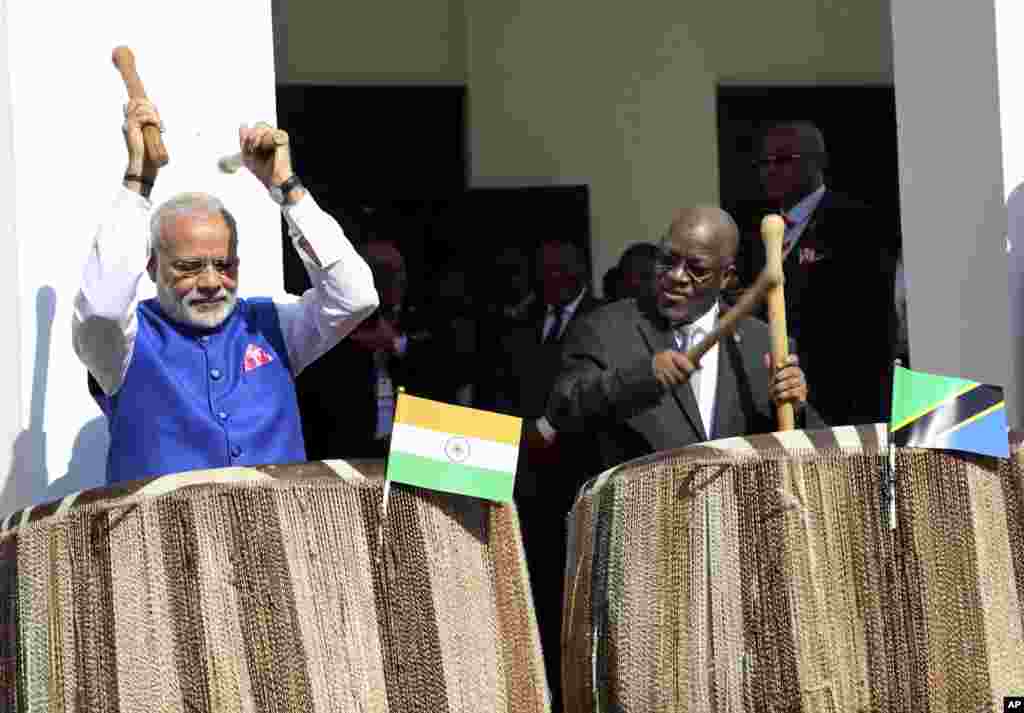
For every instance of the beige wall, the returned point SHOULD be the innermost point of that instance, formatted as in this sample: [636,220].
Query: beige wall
[624,100]
[618,96]
[373,41]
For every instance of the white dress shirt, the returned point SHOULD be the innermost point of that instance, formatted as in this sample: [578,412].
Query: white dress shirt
[385,396]
[707,376]
[800,215]
[385,387]
[105,320]
[543,425]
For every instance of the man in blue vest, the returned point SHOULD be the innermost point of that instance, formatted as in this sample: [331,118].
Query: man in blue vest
[197,377]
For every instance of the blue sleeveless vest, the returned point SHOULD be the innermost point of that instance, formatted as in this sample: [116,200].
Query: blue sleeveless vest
[188,402]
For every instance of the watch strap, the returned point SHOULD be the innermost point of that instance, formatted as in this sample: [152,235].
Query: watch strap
[286,187]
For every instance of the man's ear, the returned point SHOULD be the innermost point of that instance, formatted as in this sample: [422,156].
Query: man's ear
[730,280]
[151,266]
[821,165]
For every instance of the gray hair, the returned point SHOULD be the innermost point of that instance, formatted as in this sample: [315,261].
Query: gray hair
[191,204]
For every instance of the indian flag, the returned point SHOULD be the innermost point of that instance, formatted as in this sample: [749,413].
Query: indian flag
[453,448]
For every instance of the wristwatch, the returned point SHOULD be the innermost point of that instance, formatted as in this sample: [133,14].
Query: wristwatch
[279,193]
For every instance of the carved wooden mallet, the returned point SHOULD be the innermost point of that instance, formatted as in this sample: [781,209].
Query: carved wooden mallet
[124,60]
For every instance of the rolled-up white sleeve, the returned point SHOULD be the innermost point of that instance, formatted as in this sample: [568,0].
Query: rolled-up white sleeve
[104,323]
[342,293]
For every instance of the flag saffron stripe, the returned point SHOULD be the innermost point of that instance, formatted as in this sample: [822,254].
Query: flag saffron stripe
[935,406]
[461,420]
[450,477]
[972,419]
[925,429]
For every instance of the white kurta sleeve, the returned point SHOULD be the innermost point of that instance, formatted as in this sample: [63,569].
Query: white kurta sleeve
[104,323]
[342,293]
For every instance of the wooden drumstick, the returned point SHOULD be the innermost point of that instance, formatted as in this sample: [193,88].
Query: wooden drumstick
[124,60]
[773,228]
[270,142]
[793,490]
[743,308]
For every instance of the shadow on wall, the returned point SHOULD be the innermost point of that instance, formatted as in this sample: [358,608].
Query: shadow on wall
[28,482]
[1015,265]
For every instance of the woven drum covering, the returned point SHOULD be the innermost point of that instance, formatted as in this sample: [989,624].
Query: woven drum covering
[762,574]
[247,589]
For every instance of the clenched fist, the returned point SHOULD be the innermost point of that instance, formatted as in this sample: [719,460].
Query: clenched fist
[789,385]
[672,368]
[271,166]
[139,113]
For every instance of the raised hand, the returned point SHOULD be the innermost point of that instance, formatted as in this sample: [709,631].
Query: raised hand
[265,153]
[139,113]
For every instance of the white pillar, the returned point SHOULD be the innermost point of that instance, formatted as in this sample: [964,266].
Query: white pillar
[209,66]
[960,154]
[10,362]
[1009,17]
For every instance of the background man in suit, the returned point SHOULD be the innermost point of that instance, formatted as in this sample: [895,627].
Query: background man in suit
[526,363]
[634,275]
[527,352]
[625,379]
[348,400]
[836,252]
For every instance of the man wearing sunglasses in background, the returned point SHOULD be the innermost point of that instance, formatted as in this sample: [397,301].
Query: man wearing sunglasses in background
[199,378]
[839,260]
[625,379]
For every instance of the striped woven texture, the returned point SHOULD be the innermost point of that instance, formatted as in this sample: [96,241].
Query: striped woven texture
[267,590]
[767,574]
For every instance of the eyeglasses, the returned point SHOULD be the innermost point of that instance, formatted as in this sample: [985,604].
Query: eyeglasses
[697,274]
[194,266]
[763,162]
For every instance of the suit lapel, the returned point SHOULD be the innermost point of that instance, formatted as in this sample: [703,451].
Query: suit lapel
[586,304]
[659,340]
[792,261]
[539,317]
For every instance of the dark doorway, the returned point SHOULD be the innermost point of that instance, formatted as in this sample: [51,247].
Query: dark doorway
[859,124]
[368,141]
[390,161]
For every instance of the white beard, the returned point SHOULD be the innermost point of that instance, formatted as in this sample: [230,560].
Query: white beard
[184,312]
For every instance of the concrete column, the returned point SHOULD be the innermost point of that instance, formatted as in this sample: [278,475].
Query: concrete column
[961,152]
[209,66]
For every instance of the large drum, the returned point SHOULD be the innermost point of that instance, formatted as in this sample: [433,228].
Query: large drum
[267,590]
[767,574]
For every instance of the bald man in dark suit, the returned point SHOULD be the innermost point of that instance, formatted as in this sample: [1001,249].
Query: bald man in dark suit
[840,257]
[626,382]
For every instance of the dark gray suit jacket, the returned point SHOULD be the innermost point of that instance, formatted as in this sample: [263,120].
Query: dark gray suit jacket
[607,388]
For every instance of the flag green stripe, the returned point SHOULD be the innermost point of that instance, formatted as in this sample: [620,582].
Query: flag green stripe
[450,477]
[915,393]
[932,408]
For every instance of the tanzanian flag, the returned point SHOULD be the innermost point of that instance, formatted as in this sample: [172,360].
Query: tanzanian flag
[930,411]
[454,448]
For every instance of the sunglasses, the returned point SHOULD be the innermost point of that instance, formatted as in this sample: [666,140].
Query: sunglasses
[697,274]
[785,159]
